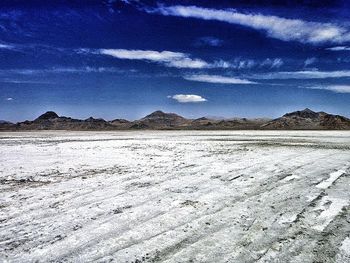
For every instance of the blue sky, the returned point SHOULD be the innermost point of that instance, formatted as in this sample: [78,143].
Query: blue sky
[125,59]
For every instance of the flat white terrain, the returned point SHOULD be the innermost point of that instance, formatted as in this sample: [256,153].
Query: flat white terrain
[175,196]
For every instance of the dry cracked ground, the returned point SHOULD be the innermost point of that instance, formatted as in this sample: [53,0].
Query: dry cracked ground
[184,196]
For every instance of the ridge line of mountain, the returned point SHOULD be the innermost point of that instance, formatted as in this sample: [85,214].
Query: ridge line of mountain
[298,120]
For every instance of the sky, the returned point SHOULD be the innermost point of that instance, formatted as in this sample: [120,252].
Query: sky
[127,58]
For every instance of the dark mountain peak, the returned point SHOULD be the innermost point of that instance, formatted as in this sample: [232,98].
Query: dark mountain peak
[158,112]
[306,113]
[92,119]
[161,115]
[307,110]
[308,120]
[162,120]
[48,115]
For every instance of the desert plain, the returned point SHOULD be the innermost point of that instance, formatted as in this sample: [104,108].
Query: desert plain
[175,196]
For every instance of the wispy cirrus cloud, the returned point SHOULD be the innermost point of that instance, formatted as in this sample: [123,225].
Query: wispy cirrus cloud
[217,79]
[167,58]
[334,88]
[306,74]
[34,47]
[187,98]
[18,81]
[241,63]
[86,69]
[276,27]
[339,48]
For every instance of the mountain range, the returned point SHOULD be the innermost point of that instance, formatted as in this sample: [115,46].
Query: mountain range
[299,120]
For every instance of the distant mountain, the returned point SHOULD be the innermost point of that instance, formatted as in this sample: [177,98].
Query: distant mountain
[51,121]
[5,122]
[47,116]
[5,125]
[308,120]
[158,120]
[227,124]
[162,120]
[120,124]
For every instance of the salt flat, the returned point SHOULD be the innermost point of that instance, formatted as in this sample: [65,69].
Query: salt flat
[175,196]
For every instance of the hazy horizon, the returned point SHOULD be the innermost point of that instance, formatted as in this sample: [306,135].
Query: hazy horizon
[147,113]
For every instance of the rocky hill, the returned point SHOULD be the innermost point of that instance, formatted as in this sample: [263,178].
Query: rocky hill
[308,120]
[162,120]
[158,120]
[51,121]
[5,125]
[227,124]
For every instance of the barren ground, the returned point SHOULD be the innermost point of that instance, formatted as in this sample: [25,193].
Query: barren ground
[184,196]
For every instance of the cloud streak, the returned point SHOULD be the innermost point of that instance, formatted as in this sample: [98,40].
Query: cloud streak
[275,27]
[6,46]
[339,48]
[86,69]
[187,98]
[218,79]
[16,81]
[167,58]
[313,74]
[334,88]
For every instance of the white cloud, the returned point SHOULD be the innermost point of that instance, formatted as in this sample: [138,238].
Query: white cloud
[312,74]
[187,98]
[9,99]
[339,48]
[168,58]
[144,54]
[334,88]
[276,27]
[188,63]
[183,60]
[218,79]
